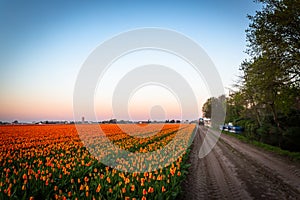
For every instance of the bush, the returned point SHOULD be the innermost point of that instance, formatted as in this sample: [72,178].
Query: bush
[292,139]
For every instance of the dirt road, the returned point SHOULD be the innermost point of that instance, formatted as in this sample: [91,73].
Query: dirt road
[236,170]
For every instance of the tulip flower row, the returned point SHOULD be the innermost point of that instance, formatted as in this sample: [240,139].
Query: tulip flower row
[58,162]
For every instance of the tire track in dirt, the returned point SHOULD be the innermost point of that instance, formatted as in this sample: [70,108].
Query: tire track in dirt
[231,171]
[284,169]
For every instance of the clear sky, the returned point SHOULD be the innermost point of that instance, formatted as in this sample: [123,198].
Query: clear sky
[44,44]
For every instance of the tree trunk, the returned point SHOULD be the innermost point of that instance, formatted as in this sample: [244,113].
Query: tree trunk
[275,118]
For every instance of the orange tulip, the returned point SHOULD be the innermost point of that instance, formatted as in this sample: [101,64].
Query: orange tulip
[98,188]
[108,179]
[144,191]
[132,188]
[150,189]
[24,176]
[81,187]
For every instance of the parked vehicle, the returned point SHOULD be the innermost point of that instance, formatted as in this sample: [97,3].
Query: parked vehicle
[231,128]
[236,129]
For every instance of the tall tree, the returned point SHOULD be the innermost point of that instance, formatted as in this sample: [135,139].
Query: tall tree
[215,109]
[206,108]
[274,44]
[271,77]
[274,33]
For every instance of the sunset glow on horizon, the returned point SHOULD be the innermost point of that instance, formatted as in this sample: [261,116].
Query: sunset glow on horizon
[44,45]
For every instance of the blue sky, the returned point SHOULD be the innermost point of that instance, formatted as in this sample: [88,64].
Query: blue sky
[44,44]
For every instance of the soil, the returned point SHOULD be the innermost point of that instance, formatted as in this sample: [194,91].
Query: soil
[237,170]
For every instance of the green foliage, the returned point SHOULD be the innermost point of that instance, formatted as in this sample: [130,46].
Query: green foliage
[267,103]
[206,108]
[215,109]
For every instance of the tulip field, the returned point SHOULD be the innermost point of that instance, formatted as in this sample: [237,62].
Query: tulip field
[53,161]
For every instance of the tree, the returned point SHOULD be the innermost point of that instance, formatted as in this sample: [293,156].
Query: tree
[214,108]
[206,108]
[274,33]
[274,44]
[235,107]
[270,87]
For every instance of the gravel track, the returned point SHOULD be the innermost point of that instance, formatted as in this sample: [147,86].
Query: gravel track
[236,170]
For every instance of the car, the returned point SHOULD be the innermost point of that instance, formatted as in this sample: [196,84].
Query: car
[231,128]
[236,129]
